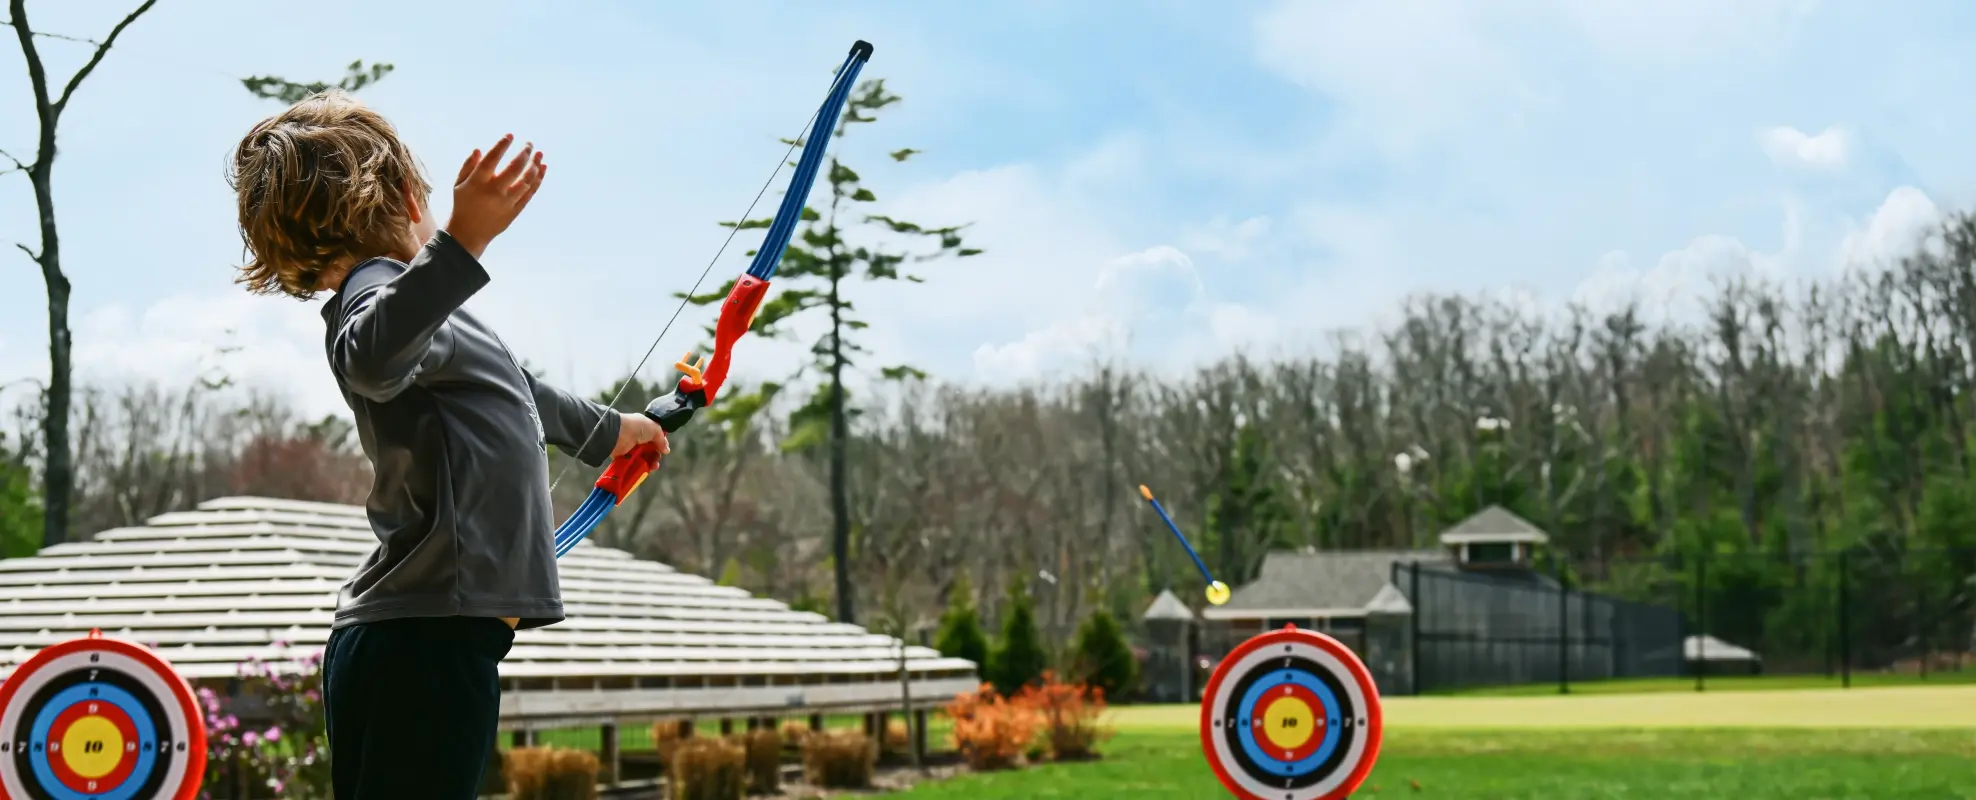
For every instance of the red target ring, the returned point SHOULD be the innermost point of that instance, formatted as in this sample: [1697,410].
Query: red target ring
[1306,699]
[1291,715]
[124,748]
[99,718]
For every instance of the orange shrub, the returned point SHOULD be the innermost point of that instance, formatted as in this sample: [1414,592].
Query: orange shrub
[1069,713]
[990,732]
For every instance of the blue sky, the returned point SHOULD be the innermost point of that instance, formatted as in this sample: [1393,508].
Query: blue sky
[1170,181]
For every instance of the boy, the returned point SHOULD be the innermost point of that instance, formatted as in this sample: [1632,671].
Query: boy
[456,431]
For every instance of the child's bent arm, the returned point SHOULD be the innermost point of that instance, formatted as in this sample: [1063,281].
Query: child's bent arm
[384,332]
[568,420]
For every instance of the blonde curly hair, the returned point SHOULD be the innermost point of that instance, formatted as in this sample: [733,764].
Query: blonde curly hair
[321,187]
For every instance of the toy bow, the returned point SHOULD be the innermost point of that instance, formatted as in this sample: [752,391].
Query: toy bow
[700,382]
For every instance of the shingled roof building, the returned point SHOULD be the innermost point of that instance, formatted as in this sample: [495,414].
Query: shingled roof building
[211,588]
[1436,617]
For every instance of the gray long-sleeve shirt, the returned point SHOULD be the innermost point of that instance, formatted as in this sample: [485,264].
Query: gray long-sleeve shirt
[458,435]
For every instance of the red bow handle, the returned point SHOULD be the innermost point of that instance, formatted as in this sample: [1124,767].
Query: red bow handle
[698,383]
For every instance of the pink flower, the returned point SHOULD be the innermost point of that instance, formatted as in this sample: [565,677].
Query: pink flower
[273,734]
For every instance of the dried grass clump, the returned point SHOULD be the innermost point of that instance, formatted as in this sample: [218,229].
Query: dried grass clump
[839,759]
[708,769]
[764,757]
[551,773]
[898,737]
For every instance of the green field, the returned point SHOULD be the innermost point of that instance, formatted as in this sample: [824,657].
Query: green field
[1907,707]
[1756,745]
[1725,683]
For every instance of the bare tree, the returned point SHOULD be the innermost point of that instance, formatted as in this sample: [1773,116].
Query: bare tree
[57,469]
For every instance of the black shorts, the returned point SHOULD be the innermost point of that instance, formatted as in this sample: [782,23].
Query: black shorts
[413,706]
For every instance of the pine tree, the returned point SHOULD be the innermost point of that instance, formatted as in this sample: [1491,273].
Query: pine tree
[961,635]
[1104,657]
[817,273]
[1019,660]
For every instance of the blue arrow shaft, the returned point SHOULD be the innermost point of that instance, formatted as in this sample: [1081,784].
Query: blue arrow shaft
[1183,540]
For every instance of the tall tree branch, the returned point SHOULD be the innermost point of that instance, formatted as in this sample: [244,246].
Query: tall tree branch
[37,74]
[101,50]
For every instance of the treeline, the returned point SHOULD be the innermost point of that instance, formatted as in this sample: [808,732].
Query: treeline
[141,451]
[1784,421]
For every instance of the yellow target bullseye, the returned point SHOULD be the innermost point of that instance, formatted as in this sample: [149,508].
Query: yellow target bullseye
[1288,723]
[92,747]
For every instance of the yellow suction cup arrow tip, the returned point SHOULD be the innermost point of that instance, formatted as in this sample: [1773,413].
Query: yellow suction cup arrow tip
[1145,492]
[1218,593]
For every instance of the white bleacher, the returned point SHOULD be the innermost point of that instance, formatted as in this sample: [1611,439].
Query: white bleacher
[245,578]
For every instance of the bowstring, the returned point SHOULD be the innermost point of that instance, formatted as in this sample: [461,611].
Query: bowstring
[688,298]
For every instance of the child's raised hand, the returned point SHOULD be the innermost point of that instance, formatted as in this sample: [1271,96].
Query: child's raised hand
[485,201]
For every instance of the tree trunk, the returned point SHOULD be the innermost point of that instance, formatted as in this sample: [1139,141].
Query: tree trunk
[58,474]
[913,733]
[840,511]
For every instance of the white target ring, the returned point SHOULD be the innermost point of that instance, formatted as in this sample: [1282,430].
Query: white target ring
[99,719]
[1291,715]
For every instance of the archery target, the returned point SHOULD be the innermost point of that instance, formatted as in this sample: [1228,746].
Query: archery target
[99,719]
[1291,715]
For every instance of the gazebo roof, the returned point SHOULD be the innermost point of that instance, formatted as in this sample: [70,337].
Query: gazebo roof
[211,588]
[1169,607]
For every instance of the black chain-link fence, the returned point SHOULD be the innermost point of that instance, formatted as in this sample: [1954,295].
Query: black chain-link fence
[1844,617]
[1481,629]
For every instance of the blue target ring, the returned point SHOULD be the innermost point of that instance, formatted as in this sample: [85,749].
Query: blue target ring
[125,702]
[1331,710]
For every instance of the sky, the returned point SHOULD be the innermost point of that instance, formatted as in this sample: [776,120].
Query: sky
[1161,181]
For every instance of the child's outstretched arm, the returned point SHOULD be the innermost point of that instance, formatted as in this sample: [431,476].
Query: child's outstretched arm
[382,338]
[567,420]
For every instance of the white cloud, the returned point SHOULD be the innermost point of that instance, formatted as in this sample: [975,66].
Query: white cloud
[1226,239]
[1791,147]
[1902,222]
[1407,70]
[1676,32]
[1042,351]
[1678,283]
[257,343]
[1151,305]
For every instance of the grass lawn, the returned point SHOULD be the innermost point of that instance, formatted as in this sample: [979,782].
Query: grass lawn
[1715,683]
[1547,765]
[1908,707]
[1758,745]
